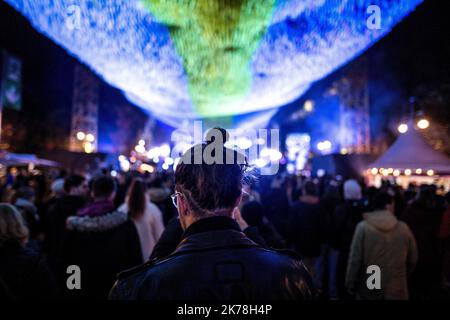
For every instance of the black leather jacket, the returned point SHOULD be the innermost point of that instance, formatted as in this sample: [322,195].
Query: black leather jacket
[216,261]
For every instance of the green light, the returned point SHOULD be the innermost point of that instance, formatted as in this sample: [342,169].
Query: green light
[216,40]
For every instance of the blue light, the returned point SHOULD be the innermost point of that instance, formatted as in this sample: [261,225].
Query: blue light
[124,44]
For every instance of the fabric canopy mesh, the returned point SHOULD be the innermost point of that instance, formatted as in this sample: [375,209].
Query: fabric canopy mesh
[188,59]
[411,151]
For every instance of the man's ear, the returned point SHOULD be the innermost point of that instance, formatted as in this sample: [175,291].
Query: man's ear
[182,205]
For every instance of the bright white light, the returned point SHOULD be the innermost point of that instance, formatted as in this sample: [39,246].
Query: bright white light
[81,135]
[265,152]
[260,163]
[169,161]
[396,173]
[175,163]
[125,165]
[164,150]
[374,171]
[320,173]
[142,142]
[430,173]
[419,171]
[90,137]
[407,172]
[275,155]
[139,148]
[155,159]
[113,173]
[423,124]
[146,168]
[290,168]
[260,141]
[122,157]
[244,143]
[88,147]
[309,106]
[153,153]
[165,166]
[402,128]
[324,145]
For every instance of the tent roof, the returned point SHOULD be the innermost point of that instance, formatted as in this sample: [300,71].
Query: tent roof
[411,151]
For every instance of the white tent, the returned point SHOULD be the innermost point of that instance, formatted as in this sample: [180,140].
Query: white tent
[18,159]
[411,151]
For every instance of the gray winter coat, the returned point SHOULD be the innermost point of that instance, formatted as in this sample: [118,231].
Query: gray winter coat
[381,240]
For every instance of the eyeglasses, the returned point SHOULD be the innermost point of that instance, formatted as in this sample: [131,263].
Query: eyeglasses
[174,198]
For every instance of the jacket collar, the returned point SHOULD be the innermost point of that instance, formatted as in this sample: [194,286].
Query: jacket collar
[213,233]
[96,224]
[382,220]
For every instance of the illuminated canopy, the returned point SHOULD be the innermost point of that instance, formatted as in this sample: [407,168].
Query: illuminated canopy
[190,59]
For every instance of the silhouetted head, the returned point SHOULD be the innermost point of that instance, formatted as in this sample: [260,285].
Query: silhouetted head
[137,198]
[103,188]
[208,179]
[383,201]
[75,185]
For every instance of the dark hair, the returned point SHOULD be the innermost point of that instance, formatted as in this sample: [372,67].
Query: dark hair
[136,198]
[310,188]
[25,193]
[425,197]
[252,212]
[381,200]
[447,197]
[211,184]
[73,181]
[103,186]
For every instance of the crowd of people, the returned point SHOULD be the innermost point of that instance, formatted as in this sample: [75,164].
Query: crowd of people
[203,233]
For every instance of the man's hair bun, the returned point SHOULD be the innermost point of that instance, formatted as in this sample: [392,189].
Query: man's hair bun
[216,132]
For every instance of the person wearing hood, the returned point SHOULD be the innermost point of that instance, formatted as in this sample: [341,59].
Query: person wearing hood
[101,241]
[344,220]
[381,240]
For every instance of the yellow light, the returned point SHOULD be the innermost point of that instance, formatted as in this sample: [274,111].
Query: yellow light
[407,172]
[385,173]
[88,147]
[423,124]
[374,171]
[146,168]
[390,170]
[396,173]
[90,137]
[133,159]
[309,106]
[80,135]
[402,128]
[344,151]
[430,172]
[419,171]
